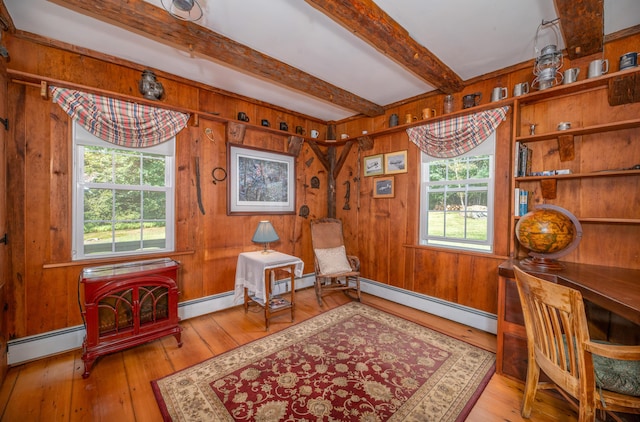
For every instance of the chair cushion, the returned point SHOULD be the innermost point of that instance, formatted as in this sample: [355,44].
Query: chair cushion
[333,260]
[619,376]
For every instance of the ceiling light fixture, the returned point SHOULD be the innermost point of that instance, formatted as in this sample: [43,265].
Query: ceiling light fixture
[183,9]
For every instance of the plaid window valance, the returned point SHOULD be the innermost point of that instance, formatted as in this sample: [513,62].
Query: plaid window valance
[453,137]
[120,122]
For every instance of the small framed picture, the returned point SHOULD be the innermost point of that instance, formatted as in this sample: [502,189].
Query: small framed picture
[395,162]
[383,187]
[374,165]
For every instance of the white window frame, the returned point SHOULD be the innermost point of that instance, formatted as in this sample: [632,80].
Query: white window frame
[82,138]
[485,148]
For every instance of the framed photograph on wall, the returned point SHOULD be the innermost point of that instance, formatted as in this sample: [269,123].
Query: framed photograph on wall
[374,165]
[260,181]
[395,162]
[383,187]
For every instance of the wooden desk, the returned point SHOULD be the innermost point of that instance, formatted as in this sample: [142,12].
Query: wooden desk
[612,299]
[255,272]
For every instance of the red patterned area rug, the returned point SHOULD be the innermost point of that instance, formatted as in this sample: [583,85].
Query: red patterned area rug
[352,363]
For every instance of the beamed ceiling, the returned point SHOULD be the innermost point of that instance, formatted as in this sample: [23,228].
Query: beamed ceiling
[329,59]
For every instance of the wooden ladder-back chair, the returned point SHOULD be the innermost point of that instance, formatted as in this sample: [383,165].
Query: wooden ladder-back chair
[598,375]
[335,270]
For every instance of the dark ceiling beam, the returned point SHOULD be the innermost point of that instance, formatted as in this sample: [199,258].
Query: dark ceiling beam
[6,23]
[148,20]
[366,20]
[582,25]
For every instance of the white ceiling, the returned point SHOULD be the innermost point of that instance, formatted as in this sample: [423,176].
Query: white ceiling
[472,37]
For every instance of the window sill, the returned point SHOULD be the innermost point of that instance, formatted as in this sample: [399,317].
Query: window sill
[455,251]
[117,259]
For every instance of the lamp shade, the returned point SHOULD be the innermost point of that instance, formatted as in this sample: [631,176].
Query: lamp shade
[265,233]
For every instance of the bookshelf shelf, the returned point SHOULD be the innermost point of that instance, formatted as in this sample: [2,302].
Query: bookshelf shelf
[598,158]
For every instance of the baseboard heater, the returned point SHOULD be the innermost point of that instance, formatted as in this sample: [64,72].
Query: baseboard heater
[30,348]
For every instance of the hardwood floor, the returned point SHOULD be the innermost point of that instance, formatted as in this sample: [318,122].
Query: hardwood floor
[119,389]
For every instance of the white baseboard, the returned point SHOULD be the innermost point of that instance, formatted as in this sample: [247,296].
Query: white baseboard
[38,346]
[475,318]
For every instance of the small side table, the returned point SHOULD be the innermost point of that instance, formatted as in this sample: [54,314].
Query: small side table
[254,272]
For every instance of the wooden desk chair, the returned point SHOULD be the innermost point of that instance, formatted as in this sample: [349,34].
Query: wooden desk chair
[335,270]
[599,376]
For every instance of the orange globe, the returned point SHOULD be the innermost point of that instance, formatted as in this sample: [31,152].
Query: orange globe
[546,231]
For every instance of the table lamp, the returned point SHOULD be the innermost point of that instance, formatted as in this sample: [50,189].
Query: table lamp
[265,233]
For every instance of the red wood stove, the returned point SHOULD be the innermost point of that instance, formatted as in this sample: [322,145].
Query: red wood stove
[128,304]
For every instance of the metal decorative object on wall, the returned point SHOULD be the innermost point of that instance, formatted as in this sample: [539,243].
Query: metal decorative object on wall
[149,87]
[315,183]
[347,195]
[304,211]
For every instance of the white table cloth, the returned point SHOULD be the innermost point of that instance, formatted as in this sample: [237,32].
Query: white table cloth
[250,271]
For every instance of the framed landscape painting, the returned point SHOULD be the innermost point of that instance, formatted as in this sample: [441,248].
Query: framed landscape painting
[260,181]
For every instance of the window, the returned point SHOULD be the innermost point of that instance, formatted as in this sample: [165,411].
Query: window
[123,198]
[456,204]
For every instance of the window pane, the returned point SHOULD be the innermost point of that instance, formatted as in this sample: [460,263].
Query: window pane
[437,171]
[98,238]
[98,165]
[153,171]
[98,204]
[154,205]
[128,236]
[127,169]
[127,205]
[436,223]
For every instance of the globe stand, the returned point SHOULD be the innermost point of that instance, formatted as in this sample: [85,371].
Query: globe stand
[548,261]
[541,263]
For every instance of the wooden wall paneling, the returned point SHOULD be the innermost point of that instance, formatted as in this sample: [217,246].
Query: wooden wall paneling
[61,193]
[412,221]
[412,200]
[427,275]
[191,227]
[480,290]
[5,262]
[613,51]
[398,223]
[16,294]
[610,245]
[184,233]
[503,188]
[38,220]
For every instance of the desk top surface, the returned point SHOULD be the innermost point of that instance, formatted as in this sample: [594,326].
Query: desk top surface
[613,288]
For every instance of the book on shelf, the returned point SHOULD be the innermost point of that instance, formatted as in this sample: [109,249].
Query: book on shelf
[516,160]
[521,202]
[523,157]
[524,202]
